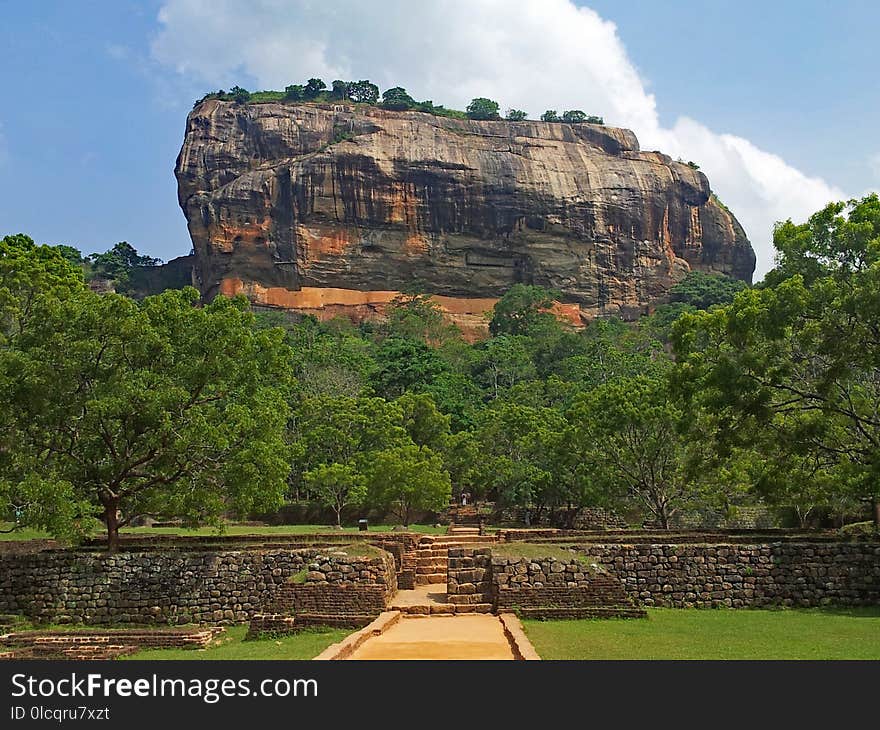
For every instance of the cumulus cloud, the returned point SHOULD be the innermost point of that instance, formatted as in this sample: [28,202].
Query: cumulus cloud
[527,54]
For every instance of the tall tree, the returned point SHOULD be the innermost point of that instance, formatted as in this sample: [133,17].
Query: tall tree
[397,99]
[482,109]
[407,479]
[801,358]
[337,486]
[363,92]
[164,408]
[629,435]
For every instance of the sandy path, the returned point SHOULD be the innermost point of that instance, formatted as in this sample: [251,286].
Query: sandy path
[476,636]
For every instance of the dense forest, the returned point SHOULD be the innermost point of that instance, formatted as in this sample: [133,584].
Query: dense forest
[727,395]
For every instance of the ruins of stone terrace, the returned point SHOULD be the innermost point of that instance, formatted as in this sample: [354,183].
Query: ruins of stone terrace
[281,584]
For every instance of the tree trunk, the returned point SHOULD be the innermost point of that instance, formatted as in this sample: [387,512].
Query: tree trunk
[111,518]
[663,516]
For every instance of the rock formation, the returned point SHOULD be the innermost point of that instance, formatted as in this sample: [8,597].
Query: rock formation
[336,209]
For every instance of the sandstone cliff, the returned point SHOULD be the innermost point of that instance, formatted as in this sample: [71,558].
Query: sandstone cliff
[334,209]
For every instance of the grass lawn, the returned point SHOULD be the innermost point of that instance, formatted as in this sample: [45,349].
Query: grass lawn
[715,634]
[231,645]
[28,534]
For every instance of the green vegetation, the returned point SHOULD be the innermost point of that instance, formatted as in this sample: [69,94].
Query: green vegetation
[482,108]
[729,395]
[306,644]
[790,370]
[7,533]
[573,116]
[396,99]
[715,634]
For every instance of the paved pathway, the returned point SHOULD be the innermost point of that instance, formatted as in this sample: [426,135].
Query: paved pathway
[471,636]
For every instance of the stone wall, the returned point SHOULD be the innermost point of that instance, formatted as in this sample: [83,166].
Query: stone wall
[181,587]
[778,574]
[469,576]
[337,586]
[558,587]
[599,518]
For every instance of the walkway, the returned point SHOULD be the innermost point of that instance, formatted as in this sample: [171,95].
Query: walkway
[473,636]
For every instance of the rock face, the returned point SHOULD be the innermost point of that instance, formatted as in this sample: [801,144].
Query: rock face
[336,209]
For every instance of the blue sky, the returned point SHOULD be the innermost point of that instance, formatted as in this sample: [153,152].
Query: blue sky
[95,92]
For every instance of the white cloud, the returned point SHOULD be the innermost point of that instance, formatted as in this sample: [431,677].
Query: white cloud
[528,54]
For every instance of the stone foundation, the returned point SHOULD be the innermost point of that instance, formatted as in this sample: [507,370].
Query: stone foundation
[175,587]
[779,574]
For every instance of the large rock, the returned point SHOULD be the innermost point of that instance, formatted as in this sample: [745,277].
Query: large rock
[335,209]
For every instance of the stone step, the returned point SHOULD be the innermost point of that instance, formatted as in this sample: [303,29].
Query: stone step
[429,578]
[431,570]
[447,609]
[467,599]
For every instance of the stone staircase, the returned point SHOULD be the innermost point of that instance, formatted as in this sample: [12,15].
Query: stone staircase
[464,520]
[432,555]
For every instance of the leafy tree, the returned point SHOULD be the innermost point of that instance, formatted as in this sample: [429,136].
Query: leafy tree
[344,431]
[337,486]
[408,479]
[611,350]
[119,262]
[629,438]
[339,90]
[32,279]
[397,99]
[482,109]
[363,92]
[504,362]
[591,119]
[522,458]
[458,396]
[701,290]
[419,317]
[405,364]
[240,95]
[313,89]
[425,425]
[463,460]
[295,92]
[162,409]
[522,309]
[74,255]
[550,116]
[574,116]
[516,115]
[799,359]
[838,240]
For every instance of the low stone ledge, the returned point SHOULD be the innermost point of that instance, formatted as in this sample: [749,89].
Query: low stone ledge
[519,642]
[345,648]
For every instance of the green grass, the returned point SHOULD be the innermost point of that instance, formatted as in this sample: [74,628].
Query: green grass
[232,529]
[24,534]
[536,551]
[715,634]
[305,645]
